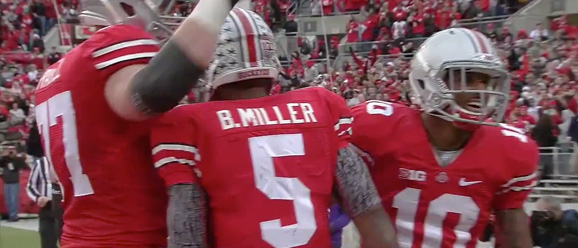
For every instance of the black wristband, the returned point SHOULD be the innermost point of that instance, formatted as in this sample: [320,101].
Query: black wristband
[163,83]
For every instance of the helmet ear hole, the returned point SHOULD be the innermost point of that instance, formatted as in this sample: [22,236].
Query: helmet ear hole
[128,9]
[421,84]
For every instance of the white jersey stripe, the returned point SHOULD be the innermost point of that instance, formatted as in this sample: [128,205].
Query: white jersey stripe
[124,58]
[169,160]
[348,131]
[123,45]
[517,189]
[342,121]
[178,147]
[519,179]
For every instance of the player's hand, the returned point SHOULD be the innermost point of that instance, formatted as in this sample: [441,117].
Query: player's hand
[42,201]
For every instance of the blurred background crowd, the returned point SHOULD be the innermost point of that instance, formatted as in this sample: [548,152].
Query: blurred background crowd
[367,61]
[359,49]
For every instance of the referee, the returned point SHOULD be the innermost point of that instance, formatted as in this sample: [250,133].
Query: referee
[39,189]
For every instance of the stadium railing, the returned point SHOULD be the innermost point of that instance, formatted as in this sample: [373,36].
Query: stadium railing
[562,159]
[561,179]
[338,62]
[365,47]
[499,22]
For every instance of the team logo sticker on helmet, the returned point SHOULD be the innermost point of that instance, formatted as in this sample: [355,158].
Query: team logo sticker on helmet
[269,48]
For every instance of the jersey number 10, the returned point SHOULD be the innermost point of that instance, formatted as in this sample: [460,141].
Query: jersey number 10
[59,111]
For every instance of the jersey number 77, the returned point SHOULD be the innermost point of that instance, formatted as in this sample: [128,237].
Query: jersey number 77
[57,124]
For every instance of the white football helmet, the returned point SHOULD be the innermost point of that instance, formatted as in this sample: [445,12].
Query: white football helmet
[459,51]
[246,50]
[149,14]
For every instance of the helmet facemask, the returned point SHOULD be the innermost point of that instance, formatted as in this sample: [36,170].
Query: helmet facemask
[468,93]
[147,14]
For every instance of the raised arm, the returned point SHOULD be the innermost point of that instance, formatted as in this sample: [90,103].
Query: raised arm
[138,91]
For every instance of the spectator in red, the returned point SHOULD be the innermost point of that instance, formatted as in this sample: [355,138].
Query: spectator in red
[418,25]
[363,64]
[328,6]
[355,5]
[284,6]
[383,34]
[352,30]
[51,13]
[296,69]
[370,26]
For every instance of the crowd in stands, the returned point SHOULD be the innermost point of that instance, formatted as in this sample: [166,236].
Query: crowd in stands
[23,25]
[543,62]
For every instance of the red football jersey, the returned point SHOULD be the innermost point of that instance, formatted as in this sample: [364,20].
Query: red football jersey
[112,196]
[266,164]
[434,205]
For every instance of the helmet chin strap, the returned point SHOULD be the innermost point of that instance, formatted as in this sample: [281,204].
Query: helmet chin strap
[211,73]
[452,114]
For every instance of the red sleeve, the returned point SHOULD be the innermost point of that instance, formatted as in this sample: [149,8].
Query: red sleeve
[174,149]
[363,132]
[341,116]
[119,46]
[513,193]
[356,59]
[373,59]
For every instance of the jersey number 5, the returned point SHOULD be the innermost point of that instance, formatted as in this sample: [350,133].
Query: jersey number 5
[59,111]
[263,150]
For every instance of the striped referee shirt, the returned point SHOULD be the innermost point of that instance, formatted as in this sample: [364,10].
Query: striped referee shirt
[39,181]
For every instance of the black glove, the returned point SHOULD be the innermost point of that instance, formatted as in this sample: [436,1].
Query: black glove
[350,49]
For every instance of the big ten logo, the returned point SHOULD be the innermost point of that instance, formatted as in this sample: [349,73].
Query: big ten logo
[413,175]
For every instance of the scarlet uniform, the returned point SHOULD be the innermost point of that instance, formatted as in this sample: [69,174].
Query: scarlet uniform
[266,164]
[112,196]
[442,206]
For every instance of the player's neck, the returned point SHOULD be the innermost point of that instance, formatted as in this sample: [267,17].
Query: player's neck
[443,135]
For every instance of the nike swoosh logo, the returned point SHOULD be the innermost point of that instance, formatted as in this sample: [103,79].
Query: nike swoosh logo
[465,183]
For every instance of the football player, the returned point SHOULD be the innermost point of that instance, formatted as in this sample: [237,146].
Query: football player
[91,111]
[441,169]
[259,170]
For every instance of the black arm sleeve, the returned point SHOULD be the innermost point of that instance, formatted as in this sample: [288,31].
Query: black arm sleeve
[163,83]
[186,216]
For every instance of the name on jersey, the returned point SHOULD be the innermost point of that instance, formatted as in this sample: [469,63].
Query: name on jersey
[291,113]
